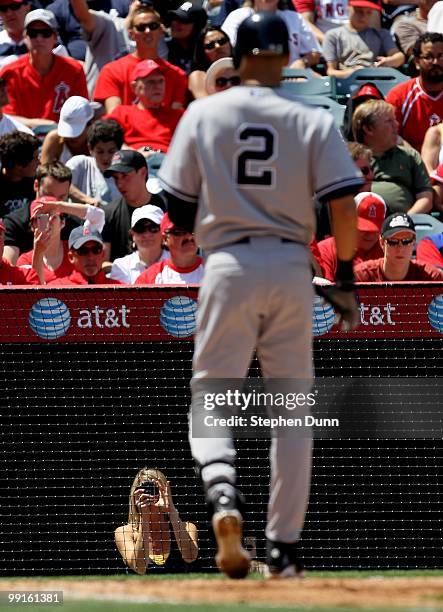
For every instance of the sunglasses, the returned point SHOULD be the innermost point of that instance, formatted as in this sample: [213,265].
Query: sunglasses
[366,170]
[403,241]
[177,231]
[34,33]
[84,250]
[11,7]
[209,46]
[223,81]
[142,27]
[141,228]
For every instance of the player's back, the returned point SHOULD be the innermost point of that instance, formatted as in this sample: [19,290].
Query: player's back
[261,154]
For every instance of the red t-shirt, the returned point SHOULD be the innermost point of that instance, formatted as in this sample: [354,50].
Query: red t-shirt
[77,278]
[115,80]
[154,127]
[428,251]
[165,273]
[415,110]
[64,269]
[13,275]
[372,271]
[35,96]
[328,256]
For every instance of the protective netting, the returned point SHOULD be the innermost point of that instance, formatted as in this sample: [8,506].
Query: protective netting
[83,412]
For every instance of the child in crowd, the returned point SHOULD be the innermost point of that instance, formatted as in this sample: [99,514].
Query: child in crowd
[89,185]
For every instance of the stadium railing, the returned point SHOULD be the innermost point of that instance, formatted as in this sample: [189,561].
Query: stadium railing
[96,385]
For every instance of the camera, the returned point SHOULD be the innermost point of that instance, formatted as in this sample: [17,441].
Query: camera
[149,487]
[42,222]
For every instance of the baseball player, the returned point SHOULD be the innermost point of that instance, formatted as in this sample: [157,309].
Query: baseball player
[244,165]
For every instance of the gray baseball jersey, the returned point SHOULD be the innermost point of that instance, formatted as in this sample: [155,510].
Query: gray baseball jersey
[254,169]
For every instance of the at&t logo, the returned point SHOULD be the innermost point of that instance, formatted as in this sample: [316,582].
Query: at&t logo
[177,316]
[49,318]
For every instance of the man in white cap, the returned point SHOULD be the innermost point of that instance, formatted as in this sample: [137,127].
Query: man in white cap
[70,136]
[39,82]
[147,241]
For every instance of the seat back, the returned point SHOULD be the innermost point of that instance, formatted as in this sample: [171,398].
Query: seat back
[384,78]
[304,83]
[337,110]
[426,225]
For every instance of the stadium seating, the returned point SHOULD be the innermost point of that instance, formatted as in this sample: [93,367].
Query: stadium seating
[384,78]
[305,83]
[426,225]
[337,110]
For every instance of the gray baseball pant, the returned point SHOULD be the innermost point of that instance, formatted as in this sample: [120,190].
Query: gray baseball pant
[258,297]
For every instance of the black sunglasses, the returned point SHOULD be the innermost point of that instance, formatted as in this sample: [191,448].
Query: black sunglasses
[12,7]
[404,241]
[95,250]
[177,231]
[142,227]
[366,170]
[142,27]
[220,42]
[223,81]
[34,33]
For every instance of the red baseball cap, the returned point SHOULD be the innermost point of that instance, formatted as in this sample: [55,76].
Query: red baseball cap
[144,69]
[166,224]
[372,4]
[36,203]
[368,90]
[371,211]
[2,225]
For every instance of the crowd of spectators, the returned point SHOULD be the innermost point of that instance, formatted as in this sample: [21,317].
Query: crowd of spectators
[91,94]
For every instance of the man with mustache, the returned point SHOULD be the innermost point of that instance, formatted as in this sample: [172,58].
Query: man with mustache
[183,266]
[419,102]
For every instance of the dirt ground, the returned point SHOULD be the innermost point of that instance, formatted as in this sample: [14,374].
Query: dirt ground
[420,592]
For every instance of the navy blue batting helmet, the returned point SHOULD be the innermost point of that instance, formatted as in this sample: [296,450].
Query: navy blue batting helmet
[261,34]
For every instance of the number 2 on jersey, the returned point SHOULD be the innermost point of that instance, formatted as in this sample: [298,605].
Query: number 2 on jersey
[258,147]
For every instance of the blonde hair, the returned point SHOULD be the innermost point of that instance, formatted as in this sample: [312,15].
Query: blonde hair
[142,10]
[366,115]
[142,475]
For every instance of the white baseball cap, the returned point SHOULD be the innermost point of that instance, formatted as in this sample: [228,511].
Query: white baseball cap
[153,213]
[74,115]
[214,70]
[43,15]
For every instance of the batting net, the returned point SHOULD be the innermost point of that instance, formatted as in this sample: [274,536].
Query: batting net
[95,387]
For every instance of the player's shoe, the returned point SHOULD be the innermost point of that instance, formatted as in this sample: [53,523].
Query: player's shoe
[283,561]
[225,502]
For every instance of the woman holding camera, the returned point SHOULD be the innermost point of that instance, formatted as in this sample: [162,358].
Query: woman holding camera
[155,537]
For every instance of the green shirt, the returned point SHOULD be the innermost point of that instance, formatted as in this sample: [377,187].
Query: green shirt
[399,175]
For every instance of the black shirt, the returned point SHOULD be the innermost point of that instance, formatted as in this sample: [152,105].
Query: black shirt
[15,194]
[18,231]
[118,223]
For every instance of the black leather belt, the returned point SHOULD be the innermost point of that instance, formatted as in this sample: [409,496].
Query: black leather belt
[247,240]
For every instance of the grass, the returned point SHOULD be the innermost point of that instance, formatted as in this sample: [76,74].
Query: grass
[106,606]
[129,606]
